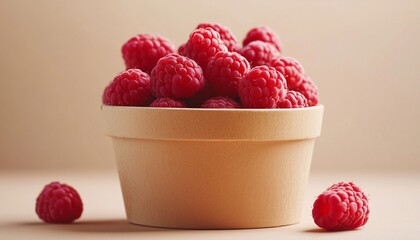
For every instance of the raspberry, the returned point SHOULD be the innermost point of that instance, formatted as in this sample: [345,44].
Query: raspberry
[225,34]
[308,88]
[262,87]
[293,99]
[291,69]
[264,34]
[343,206]
[167,103]
[176,76]
[58,203]
[203,44]
[224,71]
[144,50]
[259,53]
[129,88]
[220,102]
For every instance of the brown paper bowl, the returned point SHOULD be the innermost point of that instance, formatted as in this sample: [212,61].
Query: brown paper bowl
[213,168]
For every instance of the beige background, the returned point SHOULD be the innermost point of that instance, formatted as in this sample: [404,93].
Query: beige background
[57,56]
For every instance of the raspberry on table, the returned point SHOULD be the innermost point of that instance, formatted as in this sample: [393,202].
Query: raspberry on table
[293,99]
[144,50]
[203,44]
[176,76]
[264,34]
[168,103]
[225,34]
[220,102]
[291,69]
[58,203]
[129,88]
[224,72]
[308,88]
[262,87]
[343,206]
[259,53]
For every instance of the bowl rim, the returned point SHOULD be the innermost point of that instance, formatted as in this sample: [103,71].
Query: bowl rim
[216,109]
[184,124]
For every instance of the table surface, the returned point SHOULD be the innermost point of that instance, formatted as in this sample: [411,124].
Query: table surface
[393,196]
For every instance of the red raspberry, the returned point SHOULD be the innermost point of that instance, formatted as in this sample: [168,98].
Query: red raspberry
[264,34]
[167,103]
[58,203]
[262,87]
[224,71]
[144,50]
[220,102]
[293,99]
[129,88]
[225,34]
[259,53]
[176,76]
[181,49]
[308,88]
[343,206]
[291,69]
[203,44]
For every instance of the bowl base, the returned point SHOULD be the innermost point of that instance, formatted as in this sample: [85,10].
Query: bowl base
[210,227]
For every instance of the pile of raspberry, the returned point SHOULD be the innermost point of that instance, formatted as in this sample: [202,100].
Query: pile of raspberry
[211,70]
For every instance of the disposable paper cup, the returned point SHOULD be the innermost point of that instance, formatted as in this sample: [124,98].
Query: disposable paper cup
[213,168]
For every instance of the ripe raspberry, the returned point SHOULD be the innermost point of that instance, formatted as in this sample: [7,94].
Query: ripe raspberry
[224,71]
[129,88]
[308,88]
[176,76]
[197,100]
[144,50]
[264,34]
[225,34]
[262,87]
[259,53]
[58,203]
[291,69]
[293,99]
[203,44]
[220,102]
[343,206]
[167,103]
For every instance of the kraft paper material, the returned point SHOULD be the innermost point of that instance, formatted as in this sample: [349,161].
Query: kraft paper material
[211,168]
